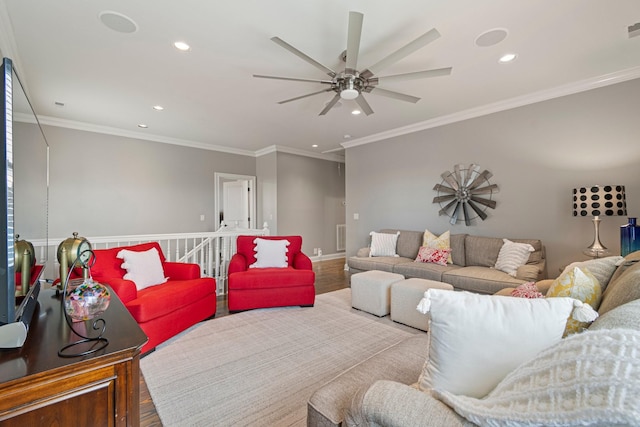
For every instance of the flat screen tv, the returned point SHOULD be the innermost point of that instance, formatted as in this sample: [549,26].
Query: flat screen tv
[24,161]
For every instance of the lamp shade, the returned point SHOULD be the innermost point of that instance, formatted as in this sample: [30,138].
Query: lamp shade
[598,200]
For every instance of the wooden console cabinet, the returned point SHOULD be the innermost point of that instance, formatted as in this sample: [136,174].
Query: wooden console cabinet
[39,388]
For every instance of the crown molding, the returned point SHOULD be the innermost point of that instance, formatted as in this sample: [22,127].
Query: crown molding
[87,127]
[298,152]
[520,101]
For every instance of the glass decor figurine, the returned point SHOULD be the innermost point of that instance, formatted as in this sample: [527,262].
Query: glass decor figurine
[86,299]
[629,237]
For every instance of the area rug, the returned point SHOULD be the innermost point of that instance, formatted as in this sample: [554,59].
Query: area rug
[259,368]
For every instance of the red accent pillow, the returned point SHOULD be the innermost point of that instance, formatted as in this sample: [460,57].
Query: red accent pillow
[527,290]
[432,255]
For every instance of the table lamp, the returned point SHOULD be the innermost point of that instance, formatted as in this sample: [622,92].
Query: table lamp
[595,201]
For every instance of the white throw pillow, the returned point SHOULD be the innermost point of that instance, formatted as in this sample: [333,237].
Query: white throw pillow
[476,340]
[589,379]
[513,255]
[143,268]
[383,244]
[270,253]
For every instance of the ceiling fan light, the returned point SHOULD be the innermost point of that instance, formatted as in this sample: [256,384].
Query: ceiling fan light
[349,94]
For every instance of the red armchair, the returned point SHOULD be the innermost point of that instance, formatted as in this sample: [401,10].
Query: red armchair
[164,310]
[251,288]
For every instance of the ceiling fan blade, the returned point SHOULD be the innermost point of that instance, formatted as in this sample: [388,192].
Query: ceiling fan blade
[415,75]
[303,56]
[404,51]
[304,96]
[364,105]
[293,79]
[353,41]
[330,105]
[395,95]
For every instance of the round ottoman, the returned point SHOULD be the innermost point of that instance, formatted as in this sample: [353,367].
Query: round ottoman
[405,296]
[370,291]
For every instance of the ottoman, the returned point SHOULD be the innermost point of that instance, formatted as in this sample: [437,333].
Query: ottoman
[405,296]
[370,291]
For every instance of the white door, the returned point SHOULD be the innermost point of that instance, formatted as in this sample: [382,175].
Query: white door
[235,196]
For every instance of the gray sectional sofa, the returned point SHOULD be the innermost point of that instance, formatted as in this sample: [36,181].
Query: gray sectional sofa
[378,391]
[473,260]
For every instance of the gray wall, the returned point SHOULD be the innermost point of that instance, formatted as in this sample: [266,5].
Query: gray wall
[104,185]
[537,154]
[311,195]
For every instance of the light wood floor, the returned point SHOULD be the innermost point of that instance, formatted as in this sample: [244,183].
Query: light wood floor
[330,276]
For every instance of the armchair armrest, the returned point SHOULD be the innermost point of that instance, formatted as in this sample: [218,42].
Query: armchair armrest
[237,264]
[125,289]
[181,270]
[302,262]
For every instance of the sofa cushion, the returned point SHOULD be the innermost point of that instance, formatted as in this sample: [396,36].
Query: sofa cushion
[144,268]
[158,301]
[580,284]
[377,263]
[422,270]
[246,247]
[433,255]
[383,244]
[476,340]
[601,268]
[408,242]
[457,249]
[512,255]
[622,289]
[481,251]
[586,379]
[626,316]
[479,279]
[108,265]
[441,242]
[267,278]
[270,253]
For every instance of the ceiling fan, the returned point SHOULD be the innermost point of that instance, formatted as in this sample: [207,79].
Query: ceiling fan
[351,84]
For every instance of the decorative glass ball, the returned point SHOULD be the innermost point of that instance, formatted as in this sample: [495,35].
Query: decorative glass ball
[86,299]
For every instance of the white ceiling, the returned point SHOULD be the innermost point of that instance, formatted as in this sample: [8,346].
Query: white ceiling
[109,81]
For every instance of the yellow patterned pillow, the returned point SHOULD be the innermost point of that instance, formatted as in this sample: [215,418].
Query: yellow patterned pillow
[580,284]
[441,242]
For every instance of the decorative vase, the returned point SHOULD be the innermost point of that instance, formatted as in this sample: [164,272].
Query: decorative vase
[629,237]
[86,299]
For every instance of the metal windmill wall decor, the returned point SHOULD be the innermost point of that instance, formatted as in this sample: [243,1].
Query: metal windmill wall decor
[465,194]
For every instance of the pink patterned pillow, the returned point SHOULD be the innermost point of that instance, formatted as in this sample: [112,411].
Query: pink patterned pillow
[435,256]
[527,290]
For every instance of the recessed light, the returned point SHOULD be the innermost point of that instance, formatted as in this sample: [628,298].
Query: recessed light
[356,112]
[182,46]
[315,146]
[158,107]
[142,125]
[347,136]
[509,57]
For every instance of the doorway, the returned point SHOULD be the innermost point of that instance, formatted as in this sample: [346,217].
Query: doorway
[235,200]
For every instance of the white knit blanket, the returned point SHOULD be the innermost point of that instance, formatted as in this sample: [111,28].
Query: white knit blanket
[587,379]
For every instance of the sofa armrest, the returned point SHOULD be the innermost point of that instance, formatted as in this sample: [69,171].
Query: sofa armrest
[363,252]
[125,289]
[237,264]
[392,404]
[544,285]
[302,262]
[181,270]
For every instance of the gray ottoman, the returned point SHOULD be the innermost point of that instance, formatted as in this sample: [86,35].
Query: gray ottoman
[370,291]
[405,296]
